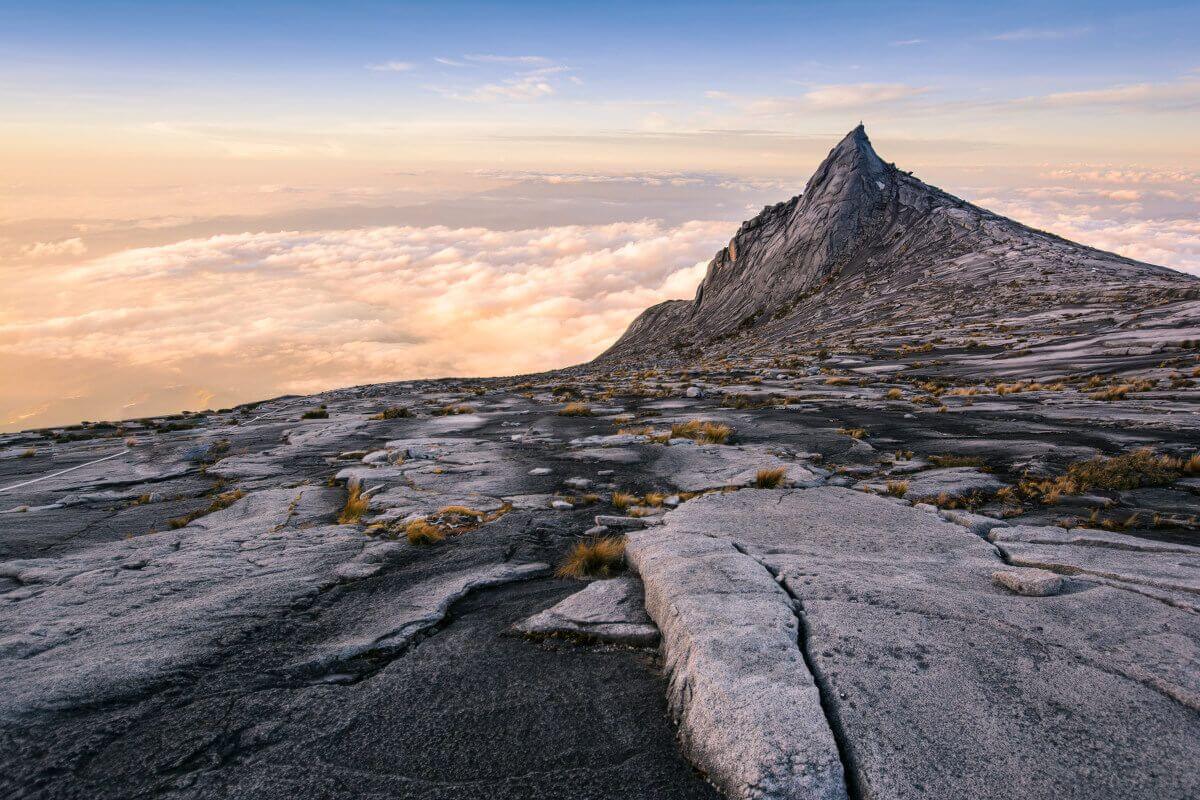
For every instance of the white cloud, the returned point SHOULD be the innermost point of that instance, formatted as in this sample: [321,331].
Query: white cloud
[392,66]
[450,62]
[908,42]
[826,97]
[64,247]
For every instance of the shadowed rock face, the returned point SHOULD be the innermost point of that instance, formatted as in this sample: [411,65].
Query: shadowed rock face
[868,245]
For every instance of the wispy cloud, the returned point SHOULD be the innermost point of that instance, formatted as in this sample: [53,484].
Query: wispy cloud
[64,247]
[392,66]
[1179,95]
[489,58]
[450,62]
[908,42]
[526,85]
[1040,34]
[827,97]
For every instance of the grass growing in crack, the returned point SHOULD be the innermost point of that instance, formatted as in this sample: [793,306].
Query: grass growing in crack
[1126,471]
[897,488]
[702,431]
[770,478]
[30,453]
[576,410]
[853,433]
[599,557]
[420,532]
[317,413]
[356,506]
[222,501]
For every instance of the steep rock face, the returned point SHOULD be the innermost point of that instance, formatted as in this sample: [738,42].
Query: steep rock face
[866,245]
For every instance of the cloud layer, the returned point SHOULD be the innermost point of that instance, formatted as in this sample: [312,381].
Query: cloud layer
[304,311]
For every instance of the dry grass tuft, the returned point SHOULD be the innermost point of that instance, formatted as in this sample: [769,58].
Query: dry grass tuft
[1126,471]
[957,461]
[356,506]
[1192,465]
[600,557]
[897,488]
[894,394]
[702,431]
[453,410]
[316,413]
[853,433]
[421,531]
[29,453]
[837,380]
[393,412]
[624,500]
[770,478]
[576,410]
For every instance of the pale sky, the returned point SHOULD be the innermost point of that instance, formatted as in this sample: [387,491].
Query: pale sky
[204,204]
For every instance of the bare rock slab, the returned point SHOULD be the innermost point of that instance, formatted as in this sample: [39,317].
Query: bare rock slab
[749,713]
[608,611]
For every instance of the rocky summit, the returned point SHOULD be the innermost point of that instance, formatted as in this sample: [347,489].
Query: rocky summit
[903,504]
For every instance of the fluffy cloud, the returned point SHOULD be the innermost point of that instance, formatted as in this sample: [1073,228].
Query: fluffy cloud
[309,310]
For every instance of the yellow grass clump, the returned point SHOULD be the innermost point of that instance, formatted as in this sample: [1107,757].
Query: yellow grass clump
[770,478]
[598,557]
[702,431]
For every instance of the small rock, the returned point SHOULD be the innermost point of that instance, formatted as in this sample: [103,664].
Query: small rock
[596,530]
[672,501]
[561,505]
[540,471]
[1029,582]
[694,391]
[578,483]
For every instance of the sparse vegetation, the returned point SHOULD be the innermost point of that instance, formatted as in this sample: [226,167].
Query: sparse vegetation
[853,433]
[317,413]
[837,380]
[894,394]
[29,453]
[702,431]
[770,478]
[897,488]
[623,500]
[575,410]
[598,557]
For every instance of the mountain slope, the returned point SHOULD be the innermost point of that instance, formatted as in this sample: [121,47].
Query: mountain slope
[867,248]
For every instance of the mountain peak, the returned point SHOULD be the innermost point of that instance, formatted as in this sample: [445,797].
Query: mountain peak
[865,232]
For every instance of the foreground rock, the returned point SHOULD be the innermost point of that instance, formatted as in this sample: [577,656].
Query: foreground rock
[608,611]
[912,645]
